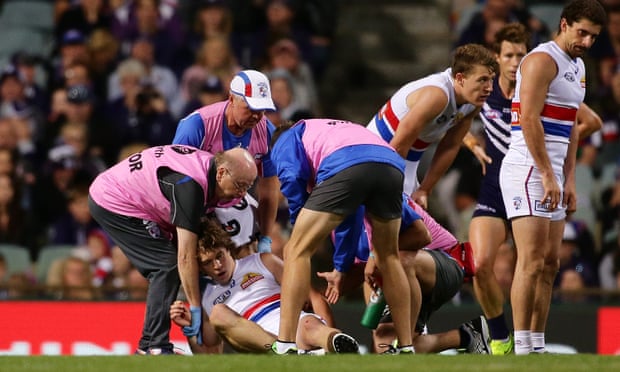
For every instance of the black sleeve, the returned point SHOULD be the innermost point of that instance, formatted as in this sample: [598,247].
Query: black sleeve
[186,198]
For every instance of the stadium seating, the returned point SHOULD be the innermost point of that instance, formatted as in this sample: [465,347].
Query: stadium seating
[17,258]
[47,256]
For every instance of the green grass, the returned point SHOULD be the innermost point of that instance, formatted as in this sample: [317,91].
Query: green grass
[330,363]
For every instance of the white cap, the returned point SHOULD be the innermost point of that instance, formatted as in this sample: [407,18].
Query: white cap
[254,87]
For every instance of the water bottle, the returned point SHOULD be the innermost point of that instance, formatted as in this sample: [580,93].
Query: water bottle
[374,310]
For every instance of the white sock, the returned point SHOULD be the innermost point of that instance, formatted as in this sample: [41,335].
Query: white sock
[523,342]
[538,341]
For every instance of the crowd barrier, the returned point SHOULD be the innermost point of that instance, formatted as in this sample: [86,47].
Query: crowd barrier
[113,328]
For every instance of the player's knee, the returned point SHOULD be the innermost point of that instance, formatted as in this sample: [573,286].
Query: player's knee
[484,267]
[552,266]
[220,317]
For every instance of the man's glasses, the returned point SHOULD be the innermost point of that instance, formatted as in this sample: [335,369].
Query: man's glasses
[241,187]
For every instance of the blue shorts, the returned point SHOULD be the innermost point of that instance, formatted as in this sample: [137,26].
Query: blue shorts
[490,200]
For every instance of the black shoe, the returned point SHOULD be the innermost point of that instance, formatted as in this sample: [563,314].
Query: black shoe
[344,344]
[479,338]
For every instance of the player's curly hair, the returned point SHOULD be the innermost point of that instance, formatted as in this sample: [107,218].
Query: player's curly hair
[592,10]
[212,236]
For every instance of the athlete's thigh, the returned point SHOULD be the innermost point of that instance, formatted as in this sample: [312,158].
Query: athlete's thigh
[486,234]
[311,228]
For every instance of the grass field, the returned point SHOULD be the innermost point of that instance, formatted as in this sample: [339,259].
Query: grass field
[335,363]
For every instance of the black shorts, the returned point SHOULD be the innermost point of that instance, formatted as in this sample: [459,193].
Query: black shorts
[448,280]
[490,200]
[378,186]
[138,239]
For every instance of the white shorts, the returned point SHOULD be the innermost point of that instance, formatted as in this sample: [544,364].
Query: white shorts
[522,190]
[271,321]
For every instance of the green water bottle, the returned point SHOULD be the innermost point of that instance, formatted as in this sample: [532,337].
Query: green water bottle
[374,310]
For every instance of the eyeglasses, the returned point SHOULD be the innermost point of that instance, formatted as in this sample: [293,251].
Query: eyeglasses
[241,187]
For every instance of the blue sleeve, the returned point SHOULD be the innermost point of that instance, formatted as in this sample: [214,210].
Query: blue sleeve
[293,170]
[347,239]
[190,131]
[409,215]
[269,169]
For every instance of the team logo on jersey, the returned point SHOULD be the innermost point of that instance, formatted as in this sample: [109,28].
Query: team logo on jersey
[250,278]
[183,150]
[569,76]
[492,114]
[222,298]
[517,202]
[583,82]
[262,89]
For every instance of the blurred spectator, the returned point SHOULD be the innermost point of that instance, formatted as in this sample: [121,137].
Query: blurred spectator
[84,16]
[29,67]
[72,50]
[284,54]
[14,286]
[287,107]
[250,46]
[126,79]
[609,265]
[607,140]
[76,135]
[19,166]
[21,286]
[211,18]
[574,259]
[15,105]
[320,18]
[58,109]
[77,73]
[77,227]
[149,19]
[71,279]
[104,55]
[7,167]
[13,218]
[141,115]
[77,109]
[494,15]
[160,77]
[571,287]
[214,58]
[125,282]
[209,91]
[50,191]
[606,52]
